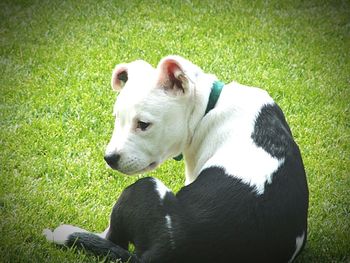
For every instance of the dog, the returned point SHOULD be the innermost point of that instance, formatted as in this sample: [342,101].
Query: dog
[245,197]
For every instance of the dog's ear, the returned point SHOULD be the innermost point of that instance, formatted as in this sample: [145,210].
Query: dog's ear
[175,74]
[119,77]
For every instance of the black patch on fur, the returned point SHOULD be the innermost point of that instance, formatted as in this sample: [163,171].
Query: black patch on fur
[100,247]
[226,221]
[138,217]
[217,218]
[271,131]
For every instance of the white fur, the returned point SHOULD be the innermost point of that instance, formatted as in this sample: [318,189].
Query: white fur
[298,244]
[161,188]
[220,138]
[170,230]
[60,234]
[104,233]
[125,138]
[229,145]
[145,98]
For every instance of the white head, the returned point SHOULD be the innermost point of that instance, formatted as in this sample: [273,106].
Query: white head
[152,113]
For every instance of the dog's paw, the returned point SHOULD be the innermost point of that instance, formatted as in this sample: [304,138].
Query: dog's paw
[48,234]
[61,234]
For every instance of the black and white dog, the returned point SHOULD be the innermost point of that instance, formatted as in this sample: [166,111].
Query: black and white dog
[246,194]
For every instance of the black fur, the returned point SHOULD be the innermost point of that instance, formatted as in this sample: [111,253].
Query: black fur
[272,133]
[100,247]
[217,218]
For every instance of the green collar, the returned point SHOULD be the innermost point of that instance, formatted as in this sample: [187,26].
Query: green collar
[213,98]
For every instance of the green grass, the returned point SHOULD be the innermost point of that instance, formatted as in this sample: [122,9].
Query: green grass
[56,102]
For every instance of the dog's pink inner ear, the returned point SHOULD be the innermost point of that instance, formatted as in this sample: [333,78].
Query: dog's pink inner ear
[172,78]
[175,73]
[119,77]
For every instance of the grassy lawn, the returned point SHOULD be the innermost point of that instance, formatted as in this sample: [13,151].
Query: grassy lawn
[56,59]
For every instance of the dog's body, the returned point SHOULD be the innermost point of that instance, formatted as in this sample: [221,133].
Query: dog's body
[246,198]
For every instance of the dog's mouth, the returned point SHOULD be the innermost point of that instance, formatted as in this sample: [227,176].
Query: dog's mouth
[150,167]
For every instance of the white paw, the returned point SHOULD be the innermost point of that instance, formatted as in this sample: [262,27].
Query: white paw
[60,234]
[48,234]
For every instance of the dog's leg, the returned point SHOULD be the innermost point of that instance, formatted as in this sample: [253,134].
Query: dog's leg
[60,234]
[96,244]
[146,215]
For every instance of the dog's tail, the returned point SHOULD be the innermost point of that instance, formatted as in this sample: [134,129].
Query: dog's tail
[101,247]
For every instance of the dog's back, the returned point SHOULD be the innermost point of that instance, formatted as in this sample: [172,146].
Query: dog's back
[250,201]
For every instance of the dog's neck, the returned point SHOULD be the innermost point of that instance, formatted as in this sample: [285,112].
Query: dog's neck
[199,102]
[212,100]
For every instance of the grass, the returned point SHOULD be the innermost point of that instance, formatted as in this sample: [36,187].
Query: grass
[56,59]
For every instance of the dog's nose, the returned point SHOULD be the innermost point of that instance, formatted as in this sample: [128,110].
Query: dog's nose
[112,159]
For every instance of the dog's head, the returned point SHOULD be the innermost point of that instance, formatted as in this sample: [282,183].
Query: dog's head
[152,113]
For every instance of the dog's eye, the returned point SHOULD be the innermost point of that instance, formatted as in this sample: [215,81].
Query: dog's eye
[142,125]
